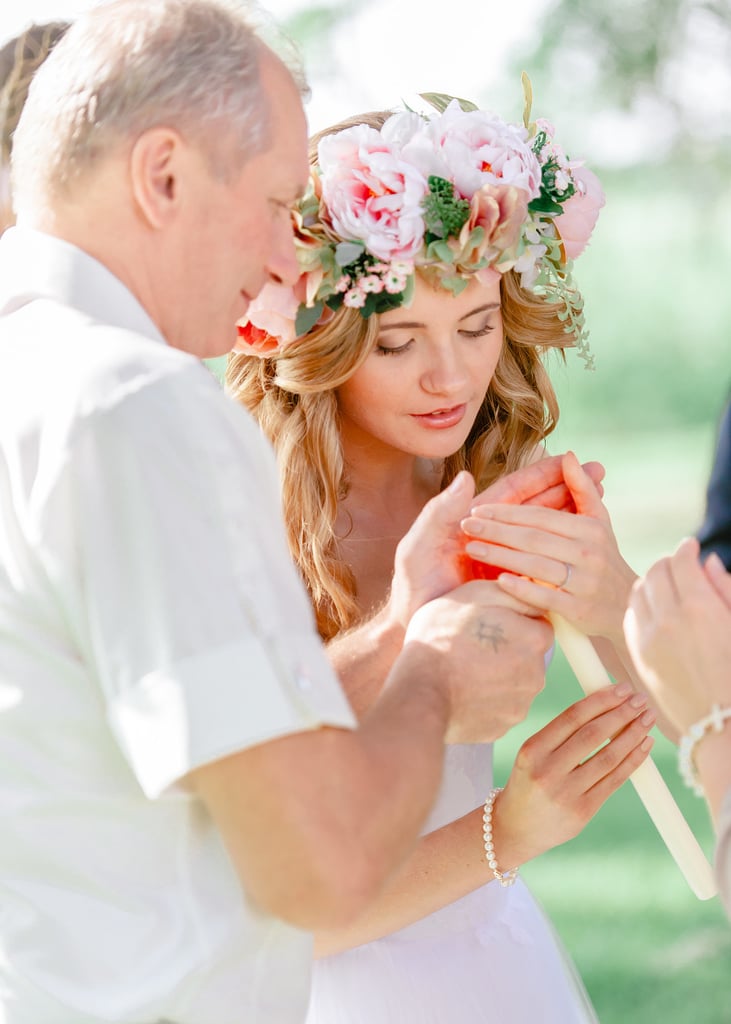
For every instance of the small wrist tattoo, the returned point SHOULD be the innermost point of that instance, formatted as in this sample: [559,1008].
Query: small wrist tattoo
[489,633]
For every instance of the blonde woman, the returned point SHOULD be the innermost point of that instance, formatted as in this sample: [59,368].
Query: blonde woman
[434,280]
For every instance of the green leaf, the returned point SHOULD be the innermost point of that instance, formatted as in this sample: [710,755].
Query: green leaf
[444,211]
[441,100]
[454,284]
[544,204]
[441,251]
[348,252]
[380,302]
[408,293]
[527,101]
[307,317]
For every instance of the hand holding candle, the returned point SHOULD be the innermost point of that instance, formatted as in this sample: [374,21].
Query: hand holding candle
[540,545]
[646,779]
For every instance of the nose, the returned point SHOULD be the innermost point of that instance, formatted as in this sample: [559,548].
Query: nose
[446,373]
[282,266]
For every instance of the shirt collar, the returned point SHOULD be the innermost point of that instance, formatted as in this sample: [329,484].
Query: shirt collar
[34,265]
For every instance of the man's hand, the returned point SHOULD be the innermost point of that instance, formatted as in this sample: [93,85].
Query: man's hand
[492,659]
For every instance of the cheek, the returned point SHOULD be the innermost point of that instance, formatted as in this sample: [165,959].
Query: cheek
[490,357]
[367,396]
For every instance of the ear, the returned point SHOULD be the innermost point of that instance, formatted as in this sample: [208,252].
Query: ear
[156,167]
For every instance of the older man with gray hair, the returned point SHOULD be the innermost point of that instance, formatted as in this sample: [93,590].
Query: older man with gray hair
[186,792]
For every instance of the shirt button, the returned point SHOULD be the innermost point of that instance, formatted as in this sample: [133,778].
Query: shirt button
[303,681]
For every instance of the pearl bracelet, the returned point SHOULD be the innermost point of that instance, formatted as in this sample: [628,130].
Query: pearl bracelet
[505,878]
[690,740]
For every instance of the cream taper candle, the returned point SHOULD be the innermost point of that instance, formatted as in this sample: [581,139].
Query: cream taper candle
[647,780]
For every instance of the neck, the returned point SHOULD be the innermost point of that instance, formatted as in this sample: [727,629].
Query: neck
[388,484]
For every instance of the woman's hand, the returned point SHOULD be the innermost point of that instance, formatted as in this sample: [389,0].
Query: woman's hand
[589,582]
[678,629]
[564,773]
[430,558]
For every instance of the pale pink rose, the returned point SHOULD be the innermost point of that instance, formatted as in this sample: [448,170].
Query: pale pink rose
[576,223]
[268,325]
[370,194]
[501,213]
[474,148]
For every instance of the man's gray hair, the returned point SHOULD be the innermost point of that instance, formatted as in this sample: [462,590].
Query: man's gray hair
[129,65]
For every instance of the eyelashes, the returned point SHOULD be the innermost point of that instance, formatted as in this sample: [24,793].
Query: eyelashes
[478,334]
[383,350]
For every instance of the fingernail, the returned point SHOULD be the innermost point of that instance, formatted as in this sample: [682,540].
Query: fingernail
[456,483]
[648,718]
[638,701]
[473,526]
[623,689]
[482,511]
[647,743]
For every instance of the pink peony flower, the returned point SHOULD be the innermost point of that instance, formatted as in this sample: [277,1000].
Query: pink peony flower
[268,325]
[576,223]
[474,148]
[370,194]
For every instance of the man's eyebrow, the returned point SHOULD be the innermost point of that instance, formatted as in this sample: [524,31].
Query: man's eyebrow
[412,324]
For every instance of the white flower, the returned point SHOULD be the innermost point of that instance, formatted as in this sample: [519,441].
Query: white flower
[354,298]
[371,283]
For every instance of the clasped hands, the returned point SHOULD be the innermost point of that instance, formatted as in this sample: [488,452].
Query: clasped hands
[565,771]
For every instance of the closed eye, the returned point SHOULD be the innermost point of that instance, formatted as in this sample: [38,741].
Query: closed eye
[385,350]
[478,334]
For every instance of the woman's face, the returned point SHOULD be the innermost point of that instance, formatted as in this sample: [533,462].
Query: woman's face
[421,387]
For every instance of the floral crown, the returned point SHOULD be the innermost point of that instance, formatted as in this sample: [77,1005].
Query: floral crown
[456,194]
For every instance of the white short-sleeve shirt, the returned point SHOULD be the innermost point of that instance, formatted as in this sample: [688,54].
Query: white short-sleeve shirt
[150,621]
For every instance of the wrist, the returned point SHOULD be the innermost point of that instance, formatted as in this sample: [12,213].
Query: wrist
[616,634]
[505,875]
[426,676]
[698,743]
[502,858]
[394,617]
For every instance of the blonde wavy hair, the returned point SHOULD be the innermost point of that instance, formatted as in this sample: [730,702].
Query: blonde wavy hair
[293,397]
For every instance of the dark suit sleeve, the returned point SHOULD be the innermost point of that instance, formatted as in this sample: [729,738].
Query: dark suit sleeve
[715,532]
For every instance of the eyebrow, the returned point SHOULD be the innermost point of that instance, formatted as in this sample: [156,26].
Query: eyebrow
[411,324]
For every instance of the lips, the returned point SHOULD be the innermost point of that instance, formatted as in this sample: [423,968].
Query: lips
[441,419]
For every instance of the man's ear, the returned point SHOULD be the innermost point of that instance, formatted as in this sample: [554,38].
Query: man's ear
[156,166]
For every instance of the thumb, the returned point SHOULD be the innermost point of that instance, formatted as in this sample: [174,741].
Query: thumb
[452,504]
[582,487]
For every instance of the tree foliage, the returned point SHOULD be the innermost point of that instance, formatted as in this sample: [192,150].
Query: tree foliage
[675,54]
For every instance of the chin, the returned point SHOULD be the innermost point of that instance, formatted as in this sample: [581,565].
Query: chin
[443,447]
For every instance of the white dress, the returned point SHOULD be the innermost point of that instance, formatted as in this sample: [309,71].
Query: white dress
[490,958]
